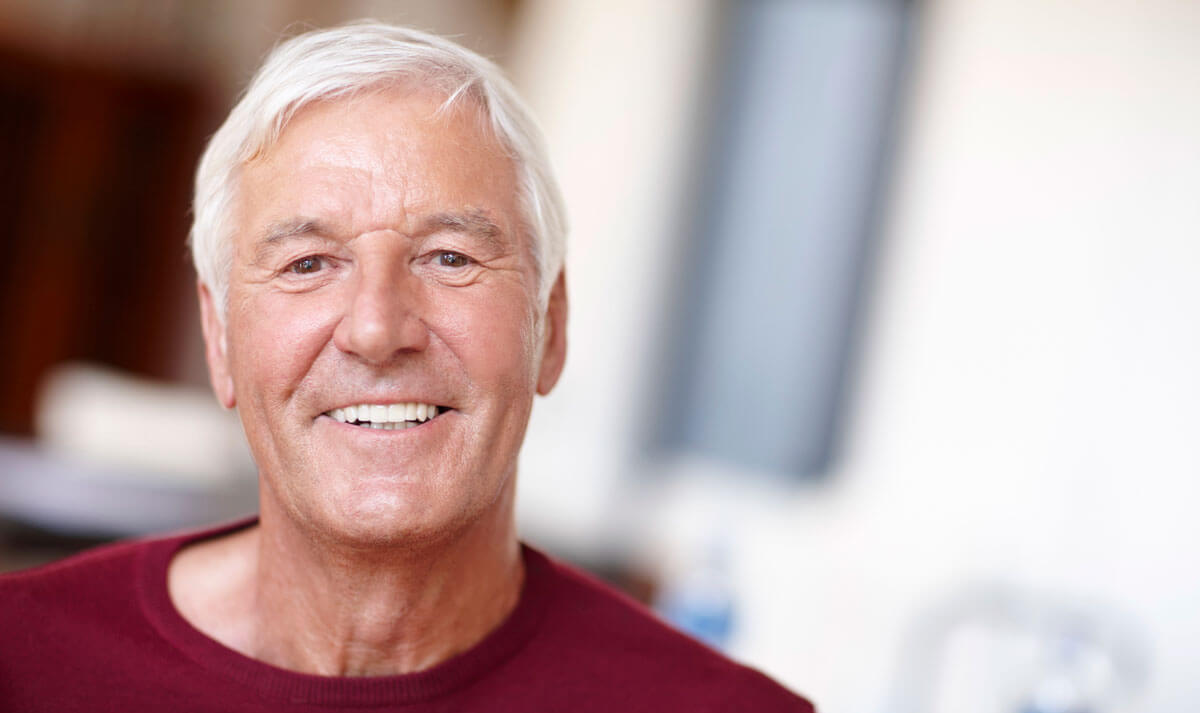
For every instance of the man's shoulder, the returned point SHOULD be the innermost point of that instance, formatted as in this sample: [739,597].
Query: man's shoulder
[99,580]
[592,627]
[91,585]
[104,562]
[58,616]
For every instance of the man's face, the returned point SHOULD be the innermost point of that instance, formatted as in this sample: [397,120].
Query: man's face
[380,260]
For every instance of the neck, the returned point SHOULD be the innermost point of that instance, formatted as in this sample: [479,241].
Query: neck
[340,610]
[276,594]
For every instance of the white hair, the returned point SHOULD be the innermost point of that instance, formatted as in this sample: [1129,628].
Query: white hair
[343,61]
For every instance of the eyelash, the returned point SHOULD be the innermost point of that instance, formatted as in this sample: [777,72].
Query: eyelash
[441,257]
[294,267]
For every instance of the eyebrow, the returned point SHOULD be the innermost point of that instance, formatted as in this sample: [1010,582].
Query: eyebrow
[281,230]
[294,227]
[474,223]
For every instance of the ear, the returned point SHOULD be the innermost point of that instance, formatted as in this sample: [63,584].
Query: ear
[215,348]
[554,336]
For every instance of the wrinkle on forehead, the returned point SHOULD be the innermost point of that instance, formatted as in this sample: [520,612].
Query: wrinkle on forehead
[384,160]
[473,222]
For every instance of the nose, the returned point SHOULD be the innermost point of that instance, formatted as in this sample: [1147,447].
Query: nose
[383,314]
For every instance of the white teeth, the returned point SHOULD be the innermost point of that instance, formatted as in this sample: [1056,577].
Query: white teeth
[395,416]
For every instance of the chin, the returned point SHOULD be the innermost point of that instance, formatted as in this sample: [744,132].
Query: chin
[390,521]
[371,509]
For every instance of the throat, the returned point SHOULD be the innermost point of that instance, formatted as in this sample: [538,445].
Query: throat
[337,619]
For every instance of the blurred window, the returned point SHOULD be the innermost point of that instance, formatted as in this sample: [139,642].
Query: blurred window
[779,243]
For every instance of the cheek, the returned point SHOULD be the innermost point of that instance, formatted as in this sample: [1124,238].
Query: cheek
[273,341]
[495,339]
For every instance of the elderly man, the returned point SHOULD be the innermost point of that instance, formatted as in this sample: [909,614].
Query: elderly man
[380,246]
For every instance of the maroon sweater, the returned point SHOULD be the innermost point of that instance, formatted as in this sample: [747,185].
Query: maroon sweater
[98,632]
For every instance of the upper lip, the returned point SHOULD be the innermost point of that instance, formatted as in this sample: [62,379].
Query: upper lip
[388,401]
[385,402]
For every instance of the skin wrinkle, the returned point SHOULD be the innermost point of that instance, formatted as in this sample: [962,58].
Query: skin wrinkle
[474,222]
[331,647]
[377,551]
[452,106]
[485,249]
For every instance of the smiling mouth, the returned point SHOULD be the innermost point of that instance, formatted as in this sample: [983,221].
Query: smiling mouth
[387,417]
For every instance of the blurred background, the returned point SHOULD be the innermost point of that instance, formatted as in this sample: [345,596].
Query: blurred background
[885,319]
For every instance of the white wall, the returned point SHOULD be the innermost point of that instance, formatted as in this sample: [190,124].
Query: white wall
[1032,391]
[615,85]
[1027,409]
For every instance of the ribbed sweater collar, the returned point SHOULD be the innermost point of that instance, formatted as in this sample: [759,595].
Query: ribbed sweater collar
[274,683]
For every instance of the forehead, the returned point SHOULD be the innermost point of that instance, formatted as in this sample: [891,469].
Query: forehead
[382,160]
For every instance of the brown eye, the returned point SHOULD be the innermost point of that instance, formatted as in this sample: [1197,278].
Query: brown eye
[305,265]
[453,260]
